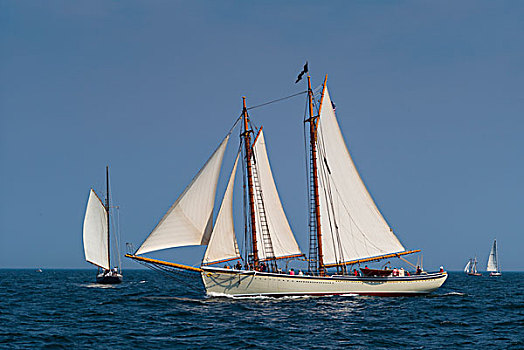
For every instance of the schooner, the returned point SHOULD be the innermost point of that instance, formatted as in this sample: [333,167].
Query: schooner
[471,267]
[346,229]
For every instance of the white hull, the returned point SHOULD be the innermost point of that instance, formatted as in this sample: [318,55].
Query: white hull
[225,282]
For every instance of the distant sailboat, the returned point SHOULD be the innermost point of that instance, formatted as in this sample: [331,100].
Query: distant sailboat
[471,268]
[493,261]
[97,237]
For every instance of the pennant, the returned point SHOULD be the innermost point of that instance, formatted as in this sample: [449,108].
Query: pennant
[305,70]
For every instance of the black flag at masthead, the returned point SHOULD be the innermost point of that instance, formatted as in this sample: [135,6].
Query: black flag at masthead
[304,70]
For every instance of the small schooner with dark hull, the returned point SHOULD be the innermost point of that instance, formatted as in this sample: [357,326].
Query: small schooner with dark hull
[346,229]
[471,268]
[97,237]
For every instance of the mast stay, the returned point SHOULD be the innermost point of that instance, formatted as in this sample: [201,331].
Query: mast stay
[107,213]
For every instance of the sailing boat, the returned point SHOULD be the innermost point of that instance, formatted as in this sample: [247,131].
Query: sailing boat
[471,268]
[97,237]
[346,228]
[493,261]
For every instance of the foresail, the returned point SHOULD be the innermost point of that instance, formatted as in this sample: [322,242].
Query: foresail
[189,221]
[95,232]
[222,244]
[269,213]
[352,226]
[492,260]
[466,268]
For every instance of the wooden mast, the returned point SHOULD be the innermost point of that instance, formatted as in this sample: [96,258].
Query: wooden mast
[313,123]
[247,142]
[107,213]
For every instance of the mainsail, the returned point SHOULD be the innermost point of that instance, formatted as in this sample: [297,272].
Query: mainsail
[269,214]
[189,221]
[352,226]
[95,232]
[222,244]
[492,260]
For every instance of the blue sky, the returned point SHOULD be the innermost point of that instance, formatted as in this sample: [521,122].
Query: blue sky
[429,96]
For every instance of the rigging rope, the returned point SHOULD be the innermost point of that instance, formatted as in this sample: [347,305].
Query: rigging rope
[235,124]
[175,274]
[277,100]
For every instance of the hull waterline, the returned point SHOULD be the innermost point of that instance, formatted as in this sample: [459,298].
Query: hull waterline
[109,279]
[224,282]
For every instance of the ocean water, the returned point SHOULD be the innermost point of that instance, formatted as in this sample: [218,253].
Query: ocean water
[58,309]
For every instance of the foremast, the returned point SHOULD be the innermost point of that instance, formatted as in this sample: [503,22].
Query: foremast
[316,261]
[249,154]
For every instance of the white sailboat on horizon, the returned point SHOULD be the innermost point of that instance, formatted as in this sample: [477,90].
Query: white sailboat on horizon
[346,228]
[493,266]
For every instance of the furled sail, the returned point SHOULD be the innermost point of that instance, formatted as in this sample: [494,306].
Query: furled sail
[222,244]
[95,232]
[270,217]
[492,260]
[189,221]
[352,226]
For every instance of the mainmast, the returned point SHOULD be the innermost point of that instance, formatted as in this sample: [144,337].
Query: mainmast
[249,154]
[107,213]
[313,125]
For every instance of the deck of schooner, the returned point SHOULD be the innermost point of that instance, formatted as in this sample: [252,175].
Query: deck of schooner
[346,228]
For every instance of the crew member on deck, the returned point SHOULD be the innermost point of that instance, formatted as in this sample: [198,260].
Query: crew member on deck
[262,267]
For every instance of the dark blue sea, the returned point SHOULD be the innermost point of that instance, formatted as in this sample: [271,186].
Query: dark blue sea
[64,309]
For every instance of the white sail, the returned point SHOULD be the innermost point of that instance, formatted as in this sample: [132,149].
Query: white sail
[352,226]
[269,213]
[492,260]
[223,243]
[95,232]
[466,268]
[189,221]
